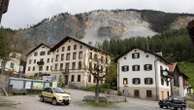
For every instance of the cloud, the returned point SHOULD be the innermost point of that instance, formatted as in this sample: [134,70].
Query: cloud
[23,13]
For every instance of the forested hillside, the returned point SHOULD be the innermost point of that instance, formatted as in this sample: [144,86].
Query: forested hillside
[175,45]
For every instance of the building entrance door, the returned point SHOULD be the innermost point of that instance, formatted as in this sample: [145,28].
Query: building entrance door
[66,79]
[136,93]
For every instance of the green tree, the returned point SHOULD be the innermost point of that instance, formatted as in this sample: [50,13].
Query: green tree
[4,48]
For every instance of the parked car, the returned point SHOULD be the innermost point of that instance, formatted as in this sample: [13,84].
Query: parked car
[55,96]
[173,102]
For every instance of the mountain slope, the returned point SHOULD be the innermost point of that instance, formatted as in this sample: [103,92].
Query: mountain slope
[96,26]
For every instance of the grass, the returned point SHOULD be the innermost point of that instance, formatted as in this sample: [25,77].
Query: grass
[190,104]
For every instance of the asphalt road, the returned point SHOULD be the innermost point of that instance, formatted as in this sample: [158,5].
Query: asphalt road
[33,103]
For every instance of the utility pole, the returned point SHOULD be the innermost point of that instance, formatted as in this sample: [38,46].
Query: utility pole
[3,7]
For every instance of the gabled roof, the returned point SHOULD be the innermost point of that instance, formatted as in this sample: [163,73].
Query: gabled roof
[147,51]
[71,38]
[42,44]
[173,67]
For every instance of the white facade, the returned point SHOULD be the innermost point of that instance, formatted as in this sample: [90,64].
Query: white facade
[40,53]
[73,59]
[13,64]
[147,71]
[70,59]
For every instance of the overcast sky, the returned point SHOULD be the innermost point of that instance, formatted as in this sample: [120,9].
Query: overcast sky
[23,13]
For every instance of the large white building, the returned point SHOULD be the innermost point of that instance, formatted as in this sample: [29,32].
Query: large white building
[70,58]
[39,60]
[141,74]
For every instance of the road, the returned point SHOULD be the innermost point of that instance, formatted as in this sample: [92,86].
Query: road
[33,103]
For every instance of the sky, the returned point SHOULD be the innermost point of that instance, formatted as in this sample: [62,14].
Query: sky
[23,13]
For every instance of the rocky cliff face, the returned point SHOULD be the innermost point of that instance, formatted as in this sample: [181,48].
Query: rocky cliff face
[99,25]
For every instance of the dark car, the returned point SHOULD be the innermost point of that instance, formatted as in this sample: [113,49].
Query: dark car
[173,102]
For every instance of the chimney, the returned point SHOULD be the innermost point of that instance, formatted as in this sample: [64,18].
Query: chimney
[190,29]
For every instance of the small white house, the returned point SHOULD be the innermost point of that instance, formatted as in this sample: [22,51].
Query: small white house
[13,64]
[142,74]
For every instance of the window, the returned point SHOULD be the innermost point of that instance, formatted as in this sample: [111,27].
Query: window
[47,68]
[125,68]
[149,93]
[42,53]
[29,68]
[136,93]
[167,83]
[89,78]
[136,67]
[33,69]
[75,47]
[80,46]
[51,68]
[135,55]
[12,65]
[63,49]
[74,55]
[90,65]
[68,56]
[73,65]
[90,55]
[148,81]
[57,57]
[95,57]
[80,65]
[48,53]
[35,54]
[30,61]
[162,82]
[61,66]
[78,78]
[67,66]
[168,94]
[40,68]
[147,67]
[80,55]
[52,60]
[125,81]
[34,61]
[136,81]
[72,78]
[62,57]
[56,66]
[48,60]
[69,48]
